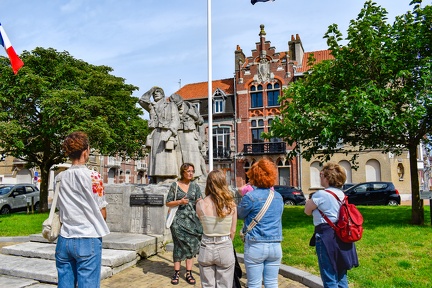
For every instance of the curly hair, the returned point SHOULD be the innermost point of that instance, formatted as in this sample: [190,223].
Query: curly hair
[75,143]
[217,188]
[184,167]
[334,173]
[263,174]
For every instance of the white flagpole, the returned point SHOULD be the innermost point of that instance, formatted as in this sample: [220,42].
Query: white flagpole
[210,98]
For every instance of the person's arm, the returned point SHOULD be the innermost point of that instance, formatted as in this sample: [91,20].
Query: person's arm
[171,202]
[233,223]
[104,213]
[309,207]
[244,207]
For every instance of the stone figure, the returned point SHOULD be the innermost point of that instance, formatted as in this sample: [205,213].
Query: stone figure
[164,123]
[190,145]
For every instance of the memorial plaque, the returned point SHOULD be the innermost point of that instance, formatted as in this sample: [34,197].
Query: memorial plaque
[146,199]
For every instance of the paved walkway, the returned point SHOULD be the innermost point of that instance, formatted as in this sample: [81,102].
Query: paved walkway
[156,272]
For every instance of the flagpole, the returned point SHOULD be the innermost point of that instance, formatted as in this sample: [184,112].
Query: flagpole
[210,98]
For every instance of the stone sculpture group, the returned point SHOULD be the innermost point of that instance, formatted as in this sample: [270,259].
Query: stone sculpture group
[174,137]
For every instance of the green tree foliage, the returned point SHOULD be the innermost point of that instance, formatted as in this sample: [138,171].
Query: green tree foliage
[374,94]
[55,94]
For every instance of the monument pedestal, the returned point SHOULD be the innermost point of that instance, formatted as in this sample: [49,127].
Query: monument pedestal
[137,209]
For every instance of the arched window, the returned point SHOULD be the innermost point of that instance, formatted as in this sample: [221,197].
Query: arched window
[400,171]
[347,166]
[315,169]
[284,172]
[373,170]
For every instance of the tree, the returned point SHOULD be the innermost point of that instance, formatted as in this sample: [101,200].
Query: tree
[374,94]
[55,94]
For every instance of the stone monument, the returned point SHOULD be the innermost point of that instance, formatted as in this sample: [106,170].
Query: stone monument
[173,140]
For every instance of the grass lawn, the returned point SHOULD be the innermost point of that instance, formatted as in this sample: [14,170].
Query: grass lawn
[392,253]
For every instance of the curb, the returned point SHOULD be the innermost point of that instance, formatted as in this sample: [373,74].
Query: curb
[286,271]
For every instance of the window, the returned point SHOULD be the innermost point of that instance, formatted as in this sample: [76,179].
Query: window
[256,96]
[273,93]
[274,139]
[284,172]
[257,130]
[219,105]
[221,142]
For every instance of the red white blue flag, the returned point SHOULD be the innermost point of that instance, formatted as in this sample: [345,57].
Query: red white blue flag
[16,62]
[255,1]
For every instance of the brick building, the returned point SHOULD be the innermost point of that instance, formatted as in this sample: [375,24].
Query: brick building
[245,106]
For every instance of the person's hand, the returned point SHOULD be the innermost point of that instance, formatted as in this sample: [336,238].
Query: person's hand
[184,201]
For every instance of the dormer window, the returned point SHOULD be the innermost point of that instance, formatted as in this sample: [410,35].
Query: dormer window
[219,99]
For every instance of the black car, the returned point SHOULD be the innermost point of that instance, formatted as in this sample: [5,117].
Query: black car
[291,195]
[373,193]
[347,185]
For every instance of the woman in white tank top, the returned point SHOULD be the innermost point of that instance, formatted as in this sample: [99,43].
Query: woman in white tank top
[218,215]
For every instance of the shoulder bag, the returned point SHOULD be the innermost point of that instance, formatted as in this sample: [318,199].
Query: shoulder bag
[51,226]
[172,210]
[258,217]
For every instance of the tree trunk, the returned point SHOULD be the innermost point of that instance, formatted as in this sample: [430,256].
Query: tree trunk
[44,188]
[417,211]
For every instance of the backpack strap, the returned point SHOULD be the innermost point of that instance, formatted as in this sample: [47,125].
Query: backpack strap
[325,216]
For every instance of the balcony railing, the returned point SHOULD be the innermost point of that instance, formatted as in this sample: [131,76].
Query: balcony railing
[264,148]
[221,153]
[141,166]
[113,162]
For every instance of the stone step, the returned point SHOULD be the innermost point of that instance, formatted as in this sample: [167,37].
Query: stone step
[17,282]
[110,257]
[144,245]
[35,260]
[41,270]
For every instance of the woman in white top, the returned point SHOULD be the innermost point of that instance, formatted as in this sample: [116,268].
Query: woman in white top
[218,215]
[82,208]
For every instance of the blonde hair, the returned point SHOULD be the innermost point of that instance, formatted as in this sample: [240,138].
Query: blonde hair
[222,197]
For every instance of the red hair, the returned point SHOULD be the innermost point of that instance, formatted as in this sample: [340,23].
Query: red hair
[263,174]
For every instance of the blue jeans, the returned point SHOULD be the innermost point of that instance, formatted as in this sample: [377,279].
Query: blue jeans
[262,260]
[330,277]
[78,262]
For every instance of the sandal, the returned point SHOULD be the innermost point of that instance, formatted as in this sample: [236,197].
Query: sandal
[189,278]
[175,277]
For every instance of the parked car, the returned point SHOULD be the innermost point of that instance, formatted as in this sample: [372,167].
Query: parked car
[373,193]
[347,185]
[291,195]
[15,197]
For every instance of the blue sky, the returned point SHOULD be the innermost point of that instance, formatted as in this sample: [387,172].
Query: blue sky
[159,42]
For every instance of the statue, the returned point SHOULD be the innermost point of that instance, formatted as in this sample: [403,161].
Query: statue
[164,123]
[190,144]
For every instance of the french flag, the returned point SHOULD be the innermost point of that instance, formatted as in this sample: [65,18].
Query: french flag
[16,62]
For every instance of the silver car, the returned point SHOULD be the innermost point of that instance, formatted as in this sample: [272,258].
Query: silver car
[18,197]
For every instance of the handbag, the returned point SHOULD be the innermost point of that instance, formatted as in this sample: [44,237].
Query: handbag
[172,211]
[258,217]
[51,226]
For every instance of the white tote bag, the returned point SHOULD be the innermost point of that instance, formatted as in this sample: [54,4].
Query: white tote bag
[172,211]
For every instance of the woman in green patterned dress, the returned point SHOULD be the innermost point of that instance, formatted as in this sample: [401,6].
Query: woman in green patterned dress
[186,229]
